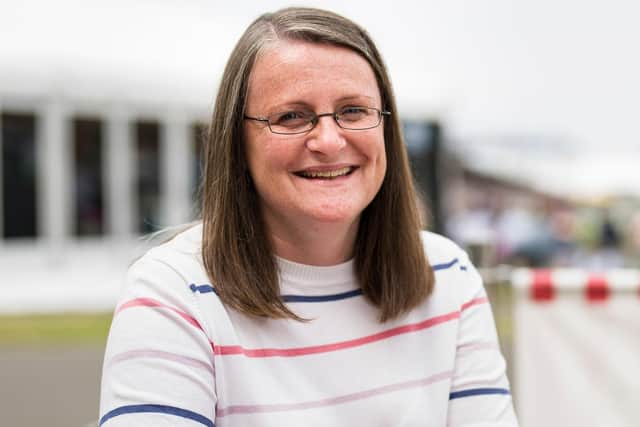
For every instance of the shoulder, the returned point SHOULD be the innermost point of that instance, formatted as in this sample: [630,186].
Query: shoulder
[184,243]
[168,272]
[454,272]
[440,249]
[181,254]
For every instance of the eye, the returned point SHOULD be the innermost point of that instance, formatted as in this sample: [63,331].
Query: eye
[291,119]
[354,114]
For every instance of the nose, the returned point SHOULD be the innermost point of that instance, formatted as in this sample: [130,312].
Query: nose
[326,137]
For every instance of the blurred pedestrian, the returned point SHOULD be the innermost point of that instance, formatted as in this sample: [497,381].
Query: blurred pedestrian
[608,253]
[632,246]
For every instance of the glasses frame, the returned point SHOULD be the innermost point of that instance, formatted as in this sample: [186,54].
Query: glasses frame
[315,118]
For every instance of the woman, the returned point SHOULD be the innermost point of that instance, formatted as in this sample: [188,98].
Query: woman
[305,296]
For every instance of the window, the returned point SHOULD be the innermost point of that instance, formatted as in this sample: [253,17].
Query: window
[147,175]
[88,169]
[198,136]
[19,202]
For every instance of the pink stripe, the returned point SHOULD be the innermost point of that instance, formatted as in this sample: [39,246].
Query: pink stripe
[173,357]
[150,302]
[477,346]
[475,301]
[225,350]
[228,350]
[252,409]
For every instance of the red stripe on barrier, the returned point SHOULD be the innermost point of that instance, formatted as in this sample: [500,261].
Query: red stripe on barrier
[597,289]
[542,286]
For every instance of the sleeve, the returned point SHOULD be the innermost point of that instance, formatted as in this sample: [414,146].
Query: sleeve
[158,367]
[480,394]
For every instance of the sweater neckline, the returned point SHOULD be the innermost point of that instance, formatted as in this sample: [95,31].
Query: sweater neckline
[300,277]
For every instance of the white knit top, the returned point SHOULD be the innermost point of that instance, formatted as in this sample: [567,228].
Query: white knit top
[176,356]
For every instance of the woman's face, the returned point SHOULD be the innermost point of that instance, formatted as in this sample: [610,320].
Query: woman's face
[327,175]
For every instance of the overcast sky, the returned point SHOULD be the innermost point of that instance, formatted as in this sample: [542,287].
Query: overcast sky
[557,77]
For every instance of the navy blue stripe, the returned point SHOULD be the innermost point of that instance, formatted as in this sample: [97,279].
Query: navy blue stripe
[158,409]
[445,265]
[203,289]
[206,288]
[477,392]
[321,298]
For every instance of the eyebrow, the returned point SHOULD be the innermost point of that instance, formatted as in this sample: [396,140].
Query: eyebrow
[306,105]
[349,97]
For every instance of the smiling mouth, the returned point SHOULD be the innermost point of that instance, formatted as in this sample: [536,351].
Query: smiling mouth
[329,174]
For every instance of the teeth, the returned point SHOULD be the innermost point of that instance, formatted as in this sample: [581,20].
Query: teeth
[326,174]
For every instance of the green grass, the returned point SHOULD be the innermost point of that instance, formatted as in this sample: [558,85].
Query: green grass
[54,329]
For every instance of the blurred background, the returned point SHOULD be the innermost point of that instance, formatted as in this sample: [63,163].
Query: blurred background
[520,119]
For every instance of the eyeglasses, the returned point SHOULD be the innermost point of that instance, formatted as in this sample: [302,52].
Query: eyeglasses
[302,121]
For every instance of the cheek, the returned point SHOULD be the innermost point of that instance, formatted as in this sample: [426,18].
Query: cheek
[381,156]
[257,152]
[270,157]
[268,161]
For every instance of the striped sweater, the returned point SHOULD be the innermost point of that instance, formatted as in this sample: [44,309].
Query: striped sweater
[176,356]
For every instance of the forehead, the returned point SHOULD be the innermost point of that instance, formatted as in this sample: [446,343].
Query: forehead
[310,73]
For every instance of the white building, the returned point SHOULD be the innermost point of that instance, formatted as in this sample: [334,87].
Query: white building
[80,182]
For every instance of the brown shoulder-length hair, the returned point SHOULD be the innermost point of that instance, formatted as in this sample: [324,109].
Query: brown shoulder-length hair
[390,263]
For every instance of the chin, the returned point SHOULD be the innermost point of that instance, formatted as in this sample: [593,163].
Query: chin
[334,216]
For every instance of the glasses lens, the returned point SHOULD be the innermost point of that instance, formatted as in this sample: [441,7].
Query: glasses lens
[358,118]
[294,121]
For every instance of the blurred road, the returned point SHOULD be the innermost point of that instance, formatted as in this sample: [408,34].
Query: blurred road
[50,386]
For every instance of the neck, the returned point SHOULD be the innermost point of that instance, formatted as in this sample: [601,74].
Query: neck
[320,245]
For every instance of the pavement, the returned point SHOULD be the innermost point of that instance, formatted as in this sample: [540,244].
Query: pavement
[55,386]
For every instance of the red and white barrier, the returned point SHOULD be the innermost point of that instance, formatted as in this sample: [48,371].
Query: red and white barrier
[543,284]
[577,347]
